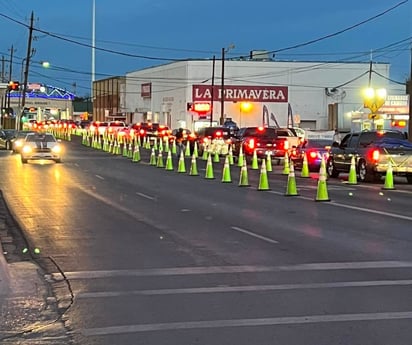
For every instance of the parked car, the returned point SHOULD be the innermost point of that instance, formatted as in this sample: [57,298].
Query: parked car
[41,146]
[314,149]
[213,139]
[263,140]
[6,138]
[18,140]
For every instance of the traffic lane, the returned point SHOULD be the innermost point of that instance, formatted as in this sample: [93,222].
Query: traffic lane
[176,198]
[247,209]
[71,224]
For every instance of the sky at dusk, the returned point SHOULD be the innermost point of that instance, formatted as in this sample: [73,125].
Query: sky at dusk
[134,34]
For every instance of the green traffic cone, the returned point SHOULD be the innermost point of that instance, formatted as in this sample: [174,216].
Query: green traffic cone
[240,158]
[130,151]
[305,167]
[160,163]
[195,149]
[209,168]
[152,157]
[205,154]
[322,190]
[174,148]
[352,178]
[187,150]
[216,158]
[226,178]
[389,177]
[291,189]
[286,169]
[136,154]
[255,165]
[263,178]
[193,166]
[244,180]
[181,167]
[169,161]
[269,162]
[231,162]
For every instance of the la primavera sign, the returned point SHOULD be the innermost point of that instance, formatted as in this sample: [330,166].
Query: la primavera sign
[239,93]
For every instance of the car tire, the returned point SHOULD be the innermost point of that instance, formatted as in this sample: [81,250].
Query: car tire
[24,160]
[58,160]
[331,169]
[409,178]
[365,174]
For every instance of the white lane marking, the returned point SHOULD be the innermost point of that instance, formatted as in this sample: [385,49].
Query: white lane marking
[287,320]
[234,269]
[100,177]
[250,233]
[357,208]
[145,196]
[246,288]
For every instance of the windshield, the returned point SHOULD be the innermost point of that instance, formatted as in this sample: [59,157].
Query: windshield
[40,138]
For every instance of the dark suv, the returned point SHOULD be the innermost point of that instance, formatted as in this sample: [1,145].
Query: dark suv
[262,139]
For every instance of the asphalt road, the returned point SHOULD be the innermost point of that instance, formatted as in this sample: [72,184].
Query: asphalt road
[141,255]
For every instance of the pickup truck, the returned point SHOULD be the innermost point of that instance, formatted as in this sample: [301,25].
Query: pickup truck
[373,150]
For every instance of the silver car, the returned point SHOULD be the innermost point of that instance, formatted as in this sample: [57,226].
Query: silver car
[41,146]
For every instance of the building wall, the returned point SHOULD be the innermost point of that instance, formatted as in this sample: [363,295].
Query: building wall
[108,98]
[323,95]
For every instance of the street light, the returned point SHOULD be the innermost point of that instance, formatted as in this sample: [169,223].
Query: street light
[373,99]
[244,107]
[222,87]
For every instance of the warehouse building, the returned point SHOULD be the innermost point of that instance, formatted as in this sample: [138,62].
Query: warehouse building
[257,91]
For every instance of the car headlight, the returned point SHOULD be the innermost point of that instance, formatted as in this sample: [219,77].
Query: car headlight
[27,149]
[56,149]
[18,143]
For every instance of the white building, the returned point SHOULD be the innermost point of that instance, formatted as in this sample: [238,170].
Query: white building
[315,95]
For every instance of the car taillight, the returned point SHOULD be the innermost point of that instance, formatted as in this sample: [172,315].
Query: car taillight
[313,154]
[251,144]
[218,133]
[142,132]
[286,144]
[375,155]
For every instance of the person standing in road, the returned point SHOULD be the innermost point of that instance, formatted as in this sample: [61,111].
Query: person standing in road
[336,136]
[179,142]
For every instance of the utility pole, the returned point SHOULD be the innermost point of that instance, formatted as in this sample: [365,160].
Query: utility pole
[222,90]
[26,73]
[10,73]
[212,91]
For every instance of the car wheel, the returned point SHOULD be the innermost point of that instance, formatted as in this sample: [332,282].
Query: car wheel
[58,160]
[365,175]
[24,160]
[331,169]
[409,178]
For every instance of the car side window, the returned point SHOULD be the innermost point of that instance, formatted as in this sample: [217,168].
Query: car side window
[353,141]
[345,141]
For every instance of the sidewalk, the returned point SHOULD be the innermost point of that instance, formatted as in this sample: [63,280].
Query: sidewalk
[27,309]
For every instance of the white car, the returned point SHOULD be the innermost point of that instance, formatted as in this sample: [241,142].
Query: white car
[41,146]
